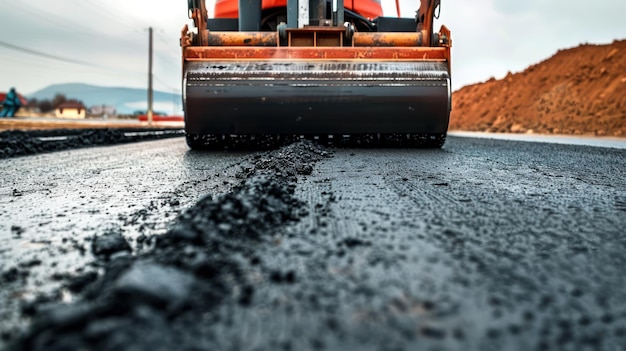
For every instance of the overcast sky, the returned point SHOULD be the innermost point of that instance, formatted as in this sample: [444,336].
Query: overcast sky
[106,42]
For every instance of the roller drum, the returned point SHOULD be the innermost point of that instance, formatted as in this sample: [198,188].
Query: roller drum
[252,97]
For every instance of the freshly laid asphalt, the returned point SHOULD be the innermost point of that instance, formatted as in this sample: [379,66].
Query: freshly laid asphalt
[482,245]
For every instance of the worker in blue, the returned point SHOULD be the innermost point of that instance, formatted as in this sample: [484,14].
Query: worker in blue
[11,104]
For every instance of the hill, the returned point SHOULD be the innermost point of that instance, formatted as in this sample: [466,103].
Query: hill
[577,91]
[125,100]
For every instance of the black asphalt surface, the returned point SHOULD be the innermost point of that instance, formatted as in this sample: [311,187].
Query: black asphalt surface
[482,245]
[14,143]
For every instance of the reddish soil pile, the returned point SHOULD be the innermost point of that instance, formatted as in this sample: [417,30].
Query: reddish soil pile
[577,91]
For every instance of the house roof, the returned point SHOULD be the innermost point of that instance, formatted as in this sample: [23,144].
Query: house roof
[71,104]
[22,98]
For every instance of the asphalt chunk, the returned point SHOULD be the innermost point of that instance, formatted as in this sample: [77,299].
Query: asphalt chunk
[109,243]
[160,286]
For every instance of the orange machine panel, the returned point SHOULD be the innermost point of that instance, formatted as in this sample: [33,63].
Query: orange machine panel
[366,8]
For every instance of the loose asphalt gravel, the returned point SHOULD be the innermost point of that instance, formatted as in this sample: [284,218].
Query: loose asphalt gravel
[15,143]
[482,245]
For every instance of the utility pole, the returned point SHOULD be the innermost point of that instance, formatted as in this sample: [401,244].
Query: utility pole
[150,77]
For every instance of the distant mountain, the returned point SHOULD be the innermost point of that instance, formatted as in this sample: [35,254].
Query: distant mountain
[125,100]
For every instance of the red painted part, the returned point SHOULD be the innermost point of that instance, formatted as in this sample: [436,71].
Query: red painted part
[204,53]
[159,118]
[366,8]
[72,104]
[23,100]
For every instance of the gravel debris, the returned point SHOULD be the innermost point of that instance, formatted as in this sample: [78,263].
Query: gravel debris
[202,261]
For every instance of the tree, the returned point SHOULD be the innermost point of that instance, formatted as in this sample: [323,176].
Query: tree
[32,103]
[45,106]
[58,100]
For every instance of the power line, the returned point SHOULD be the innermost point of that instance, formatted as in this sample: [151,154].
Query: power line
[67,60]
[43,13]
[55,20]
[165,85]
[43,54]
[115,16]
[161,34]
[168,60]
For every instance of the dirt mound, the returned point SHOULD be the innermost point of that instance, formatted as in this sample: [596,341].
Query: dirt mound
[576,91]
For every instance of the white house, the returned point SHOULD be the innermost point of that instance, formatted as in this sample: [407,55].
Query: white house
[102,111]
[71,110]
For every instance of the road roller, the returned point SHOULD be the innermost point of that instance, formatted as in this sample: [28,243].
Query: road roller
[264,72]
